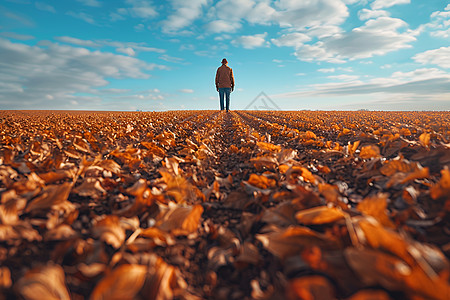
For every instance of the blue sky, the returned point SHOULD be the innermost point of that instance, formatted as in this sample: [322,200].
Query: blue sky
[163,55]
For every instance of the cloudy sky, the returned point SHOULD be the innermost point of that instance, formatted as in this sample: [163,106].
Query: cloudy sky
[163,55]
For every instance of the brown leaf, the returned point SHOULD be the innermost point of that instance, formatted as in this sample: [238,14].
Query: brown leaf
[269,147]
[54,176]
[398,165]
[319,215]
[370,151]
[164,281]
[50,196]
[378,268]
[180,220]
[108,229]
[442,188]
[370,294]
[293,240]
[310,287]
[376,206]
[261,181]
[110,165]
[47,282]
[248,254]
[5,278]
[385,239]
[424,139]
[90,187]
[124,282]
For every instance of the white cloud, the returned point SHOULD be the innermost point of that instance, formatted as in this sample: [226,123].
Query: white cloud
[440,23]
[106,43]
[310,14]
[251,41]
[45,7]
[78,42]
[329,70]
[375,37]
[82,16]
[187,91]
[171,59]
[318,52]
[233,10]
[365,14]
[16,36]
[426,83]
[92,3]
[261,13]
[218,26]
[378,4]
[344,77]
[185,13]
[141,9]
[128,51]
[31,73]
[439,57]
[295,40]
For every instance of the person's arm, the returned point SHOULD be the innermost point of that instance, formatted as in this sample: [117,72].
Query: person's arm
[217,80]
[232,79]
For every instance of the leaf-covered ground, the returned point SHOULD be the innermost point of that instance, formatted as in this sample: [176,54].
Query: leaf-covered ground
[214,205]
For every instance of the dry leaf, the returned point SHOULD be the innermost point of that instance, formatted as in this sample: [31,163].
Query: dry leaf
[378,268]
[312,287]
[319,215]
[5,278]
[441,189]
[293,240]
[369,151]
[376,206]
[124,282]
[109,230]
[47,282]
[50,196]
[180,220]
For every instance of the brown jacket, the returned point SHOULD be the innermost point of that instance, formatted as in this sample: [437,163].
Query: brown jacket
[224,77]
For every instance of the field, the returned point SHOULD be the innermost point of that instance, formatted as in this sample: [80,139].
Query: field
[215,205]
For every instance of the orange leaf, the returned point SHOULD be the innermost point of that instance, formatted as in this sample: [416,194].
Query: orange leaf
[268,147]
[124,282]
[398,165]
[370,151]
[424,139]
[319,215]
[261,181]
[376,206]
[50,196]
[293,240]
[180,220]
[108,229]
[442,188]
[47,282]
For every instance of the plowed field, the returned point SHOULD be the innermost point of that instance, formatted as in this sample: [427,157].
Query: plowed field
[215,205]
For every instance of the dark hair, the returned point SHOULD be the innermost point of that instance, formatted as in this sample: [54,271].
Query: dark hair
[224,61]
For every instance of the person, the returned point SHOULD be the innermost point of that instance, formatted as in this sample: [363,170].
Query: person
[224,84]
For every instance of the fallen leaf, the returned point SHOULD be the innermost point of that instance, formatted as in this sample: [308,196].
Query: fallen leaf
[47,282]
[376,206]
[319,215]
[124,282]
[369,151]
[293,240]
[180,220]
[108,229]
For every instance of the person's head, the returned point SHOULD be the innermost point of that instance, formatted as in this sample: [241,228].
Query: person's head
[224,61]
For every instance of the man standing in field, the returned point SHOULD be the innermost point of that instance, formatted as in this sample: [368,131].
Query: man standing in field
[224,83]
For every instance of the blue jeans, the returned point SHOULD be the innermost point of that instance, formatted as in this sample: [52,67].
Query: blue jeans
[224,93]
